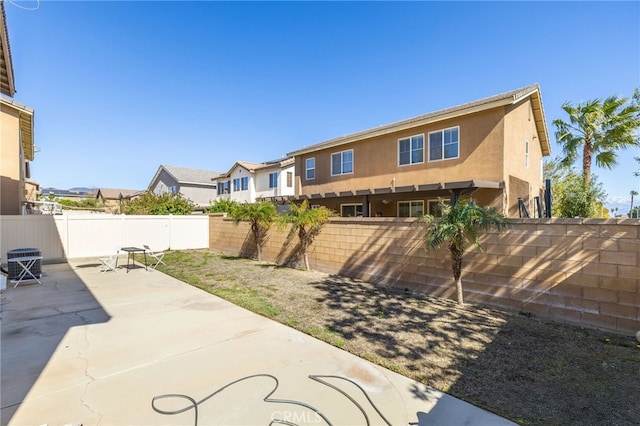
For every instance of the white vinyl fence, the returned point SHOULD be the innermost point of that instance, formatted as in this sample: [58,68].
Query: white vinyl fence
[89,235]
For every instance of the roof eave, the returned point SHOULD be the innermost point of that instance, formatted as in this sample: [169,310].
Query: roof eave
[6,87]
[540,122]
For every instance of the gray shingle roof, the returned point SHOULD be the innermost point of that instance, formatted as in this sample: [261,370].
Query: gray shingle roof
[189,175]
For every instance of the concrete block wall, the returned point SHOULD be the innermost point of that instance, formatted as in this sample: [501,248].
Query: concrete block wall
[579,271]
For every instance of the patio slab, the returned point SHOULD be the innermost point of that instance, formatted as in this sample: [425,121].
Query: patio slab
[96,349]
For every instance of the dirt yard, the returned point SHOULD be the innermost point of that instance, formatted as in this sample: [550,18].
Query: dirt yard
[529,370]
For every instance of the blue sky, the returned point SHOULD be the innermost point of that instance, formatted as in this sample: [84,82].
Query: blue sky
[122,87]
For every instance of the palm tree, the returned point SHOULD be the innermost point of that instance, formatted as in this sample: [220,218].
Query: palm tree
[631,209]
[457,228]
[601,128]
[307,222]
[261,215]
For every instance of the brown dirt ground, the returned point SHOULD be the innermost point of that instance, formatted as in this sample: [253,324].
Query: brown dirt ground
[524,368]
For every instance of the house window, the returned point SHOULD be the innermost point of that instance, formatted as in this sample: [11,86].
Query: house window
[241,184]
[435,207]
[310,167]
[411,150]
[273,180]
[444,144]
[351,210]
[342,163]
[526,154]
[289,179]
[172,189]
[224,187]
[410,208]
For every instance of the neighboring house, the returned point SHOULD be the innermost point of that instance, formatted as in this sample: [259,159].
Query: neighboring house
[490,149]
[251,182]
[16,133]
[197,185]
[112,198]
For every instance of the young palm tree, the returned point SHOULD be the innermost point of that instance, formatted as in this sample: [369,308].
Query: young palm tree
[307,222]
[457,228]
[601,128]
[631,209]
[261,215]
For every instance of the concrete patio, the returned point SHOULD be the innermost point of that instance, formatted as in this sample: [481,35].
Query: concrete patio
[96,349]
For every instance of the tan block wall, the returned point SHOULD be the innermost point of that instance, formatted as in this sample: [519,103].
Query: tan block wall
[584,272]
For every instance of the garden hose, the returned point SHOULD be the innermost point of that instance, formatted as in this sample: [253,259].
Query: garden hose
[193,404]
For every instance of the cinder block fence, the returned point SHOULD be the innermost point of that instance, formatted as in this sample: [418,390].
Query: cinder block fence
[579,271]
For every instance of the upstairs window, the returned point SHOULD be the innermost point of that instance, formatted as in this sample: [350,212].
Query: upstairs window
[411,150]
[310,168]
[444,144]
[241,184]
[289,179]
[273,180]
[342,163]
[526,154]
[224,187]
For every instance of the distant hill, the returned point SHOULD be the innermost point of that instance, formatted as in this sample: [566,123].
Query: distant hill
[77,191]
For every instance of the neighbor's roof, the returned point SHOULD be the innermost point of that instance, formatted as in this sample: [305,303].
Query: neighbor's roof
[26,125]
[254,167]
[114,194]
[503,99]
[7,83]
[185,175]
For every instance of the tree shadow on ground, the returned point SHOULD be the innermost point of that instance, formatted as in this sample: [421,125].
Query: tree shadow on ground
[527,369]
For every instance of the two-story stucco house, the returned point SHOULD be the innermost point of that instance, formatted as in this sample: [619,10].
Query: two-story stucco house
[16,134]
[490,149]
[197,185]
[251,182]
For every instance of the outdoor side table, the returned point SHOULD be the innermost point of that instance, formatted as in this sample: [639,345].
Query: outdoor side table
[25,264]
[131,252]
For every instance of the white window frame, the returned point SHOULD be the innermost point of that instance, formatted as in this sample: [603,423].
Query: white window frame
[307,169]
[356,205]
[273,180]
[222,186]
[410,140]
[526,153]
[410,203]
[289,179]
[341,154]
[442,131]
[241,184]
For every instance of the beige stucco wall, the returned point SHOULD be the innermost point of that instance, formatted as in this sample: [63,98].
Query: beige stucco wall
[11,169]
[584,272]
[376,159]
[491,148]
[520,127]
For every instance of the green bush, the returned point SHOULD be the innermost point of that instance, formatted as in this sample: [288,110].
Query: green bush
[153,204]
